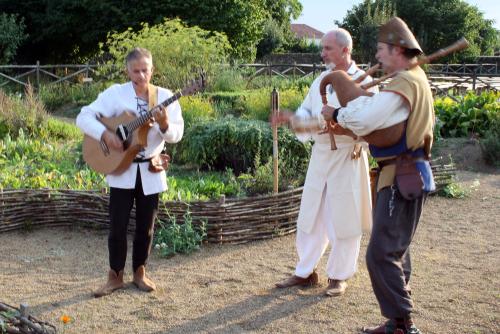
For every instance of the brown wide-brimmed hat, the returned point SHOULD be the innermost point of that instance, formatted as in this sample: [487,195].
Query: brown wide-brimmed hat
[396,32]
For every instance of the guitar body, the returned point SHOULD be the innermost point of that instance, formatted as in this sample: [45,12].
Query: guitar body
[114,162]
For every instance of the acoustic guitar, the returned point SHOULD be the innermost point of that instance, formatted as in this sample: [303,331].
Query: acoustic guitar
[132,131]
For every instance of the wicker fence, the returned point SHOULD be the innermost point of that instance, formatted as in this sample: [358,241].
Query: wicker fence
[231,220]
[227,220]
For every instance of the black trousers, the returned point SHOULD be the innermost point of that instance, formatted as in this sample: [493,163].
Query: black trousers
[120,205]
[388,255]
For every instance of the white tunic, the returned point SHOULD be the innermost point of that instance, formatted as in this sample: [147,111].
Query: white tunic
[347,181]
[112,102]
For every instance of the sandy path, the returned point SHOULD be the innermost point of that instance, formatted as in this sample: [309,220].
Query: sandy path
[229,289]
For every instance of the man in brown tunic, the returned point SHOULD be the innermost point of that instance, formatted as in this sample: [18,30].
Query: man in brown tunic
[407,99]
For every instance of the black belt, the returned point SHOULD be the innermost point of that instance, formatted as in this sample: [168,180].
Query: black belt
[142,160]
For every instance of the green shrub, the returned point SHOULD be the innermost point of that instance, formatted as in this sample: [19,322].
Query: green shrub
[227,80]
[19,112]
[196,109]
[178,51]
[192,186]
[473,115]
[59,129]
[490,146]
[258,102]
[228,103]
[457,190]
[56,96]
[172,238]
[242,145]
[33,163]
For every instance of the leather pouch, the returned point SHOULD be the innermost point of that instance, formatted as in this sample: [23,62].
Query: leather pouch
[408,178]
[159,163]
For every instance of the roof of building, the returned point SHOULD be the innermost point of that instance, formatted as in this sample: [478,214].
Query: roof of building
[305,31]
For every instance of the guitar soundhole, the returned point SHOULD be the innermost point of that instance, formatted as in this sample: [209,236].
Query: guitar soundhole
[126,143]
[122,132]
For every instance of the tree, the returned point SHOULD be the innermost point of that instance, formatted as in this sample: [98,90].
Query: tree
[11,36]
[456,19]
[179,52]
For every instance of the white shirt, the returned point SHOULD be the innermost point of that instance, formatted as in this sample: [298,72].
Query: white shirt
[312,105]
[368,113]
[112,102]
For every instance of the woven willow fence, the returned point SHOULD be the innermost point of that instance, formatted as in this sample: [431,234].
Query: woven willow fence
[18,320]
[227,220]
[231,220]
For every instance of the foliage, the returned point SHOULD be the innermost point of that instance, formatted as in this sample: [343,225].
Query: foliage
[490,145]
[228,79]
[11,36]
[58,129]
[457,190]
[33,163]
[70,30]
[228,103]
[172,238]
[196,109]
[201,186]
[456,19]
[472,115]
[56,96]
[302,45]
[17,112]
[257,103]
[179,52]
[242,145]
[261,181]
[273,39]
[453,190]
[364,27]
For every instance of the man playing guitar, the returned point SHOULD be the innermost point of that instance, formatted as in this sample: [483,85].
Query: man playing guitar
[137,181]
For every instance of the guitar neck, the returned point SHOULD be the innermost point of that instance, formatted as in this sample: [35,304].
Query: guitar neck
[141,120]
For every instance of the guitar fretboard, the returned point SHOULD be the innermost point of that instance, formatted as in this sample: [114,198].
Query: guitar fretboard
[141,120]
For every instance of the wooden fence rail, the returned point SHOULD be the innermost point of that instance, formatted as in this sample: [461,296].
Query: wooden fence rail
[445,79]
[53,74]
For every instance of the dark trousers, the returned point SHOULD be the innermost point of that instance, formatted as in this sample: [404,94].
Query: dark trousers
[388,255]
[120,205]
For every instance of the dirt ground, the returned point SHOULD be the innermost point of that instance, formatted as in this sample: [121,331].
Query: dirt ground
[230,288]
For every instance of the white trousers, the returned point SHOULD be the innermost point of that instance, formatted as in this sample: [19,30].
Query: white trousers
[343,258]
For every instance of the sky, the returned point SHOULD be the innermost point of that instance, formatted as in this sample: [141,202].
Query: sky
[321,14]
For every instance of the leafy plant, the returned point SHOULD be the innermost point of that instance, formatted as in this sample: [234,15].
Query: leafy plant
[17,112]
[55,96]
[235,143]
[472,115]
[258,102]
[196,109]
[11,36]
[172,238]
[228,79]
[456,190]
[178,51]
[490,146]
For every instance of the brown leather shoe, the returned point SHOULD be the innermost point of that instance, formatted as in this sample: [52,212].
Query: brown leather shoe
[294,280]
[115,282]
[142,282]
[336,287]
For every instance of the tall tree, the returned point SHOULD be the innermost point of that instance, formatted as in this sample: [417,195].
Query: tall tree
[11,36]
[70,30]
[436,24]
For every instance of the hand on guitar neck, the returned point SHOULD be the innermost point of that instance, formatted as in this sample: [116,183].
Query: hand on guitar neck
[161,117]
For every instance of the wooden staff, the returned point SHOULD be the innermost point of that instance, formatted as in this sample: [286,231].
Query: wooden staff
[275,109]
